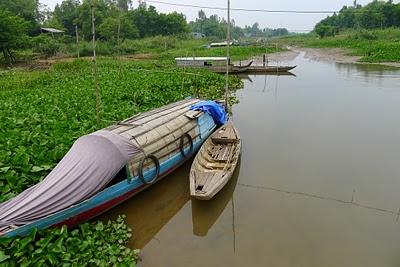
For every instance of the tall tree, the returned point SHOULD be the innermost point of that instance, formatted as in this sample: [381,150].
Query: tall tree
[12,34]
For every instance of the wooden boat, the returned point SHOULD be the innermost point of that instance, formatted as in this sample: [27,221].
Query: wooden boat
[168,137]
[270,69]
[215,64]
[232,68]
[215,163]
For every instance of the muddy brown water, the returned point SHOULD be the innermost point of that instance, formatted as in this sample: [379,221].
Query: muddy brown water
[318,182]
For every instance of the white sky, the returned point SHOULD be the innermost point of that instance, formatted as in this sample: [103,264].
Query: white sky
[293,22]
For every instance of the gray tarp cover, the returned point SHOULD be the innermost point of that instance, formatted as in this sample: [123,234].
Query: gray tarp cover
[91,163]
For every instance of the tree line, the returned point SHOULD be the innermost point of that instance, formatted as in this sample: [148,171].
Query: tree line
[216,27]
[115,20]
[375,15]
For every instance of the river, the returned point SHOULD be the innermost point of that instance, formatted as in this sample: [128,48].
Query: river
[318,182]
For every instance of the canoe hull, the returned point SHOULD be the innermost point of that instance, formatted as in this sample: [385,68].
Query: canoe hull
[216,172]
[270,69]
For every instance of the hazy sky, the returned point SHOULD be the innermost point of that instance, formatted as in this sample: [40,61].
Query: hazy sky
[293,22]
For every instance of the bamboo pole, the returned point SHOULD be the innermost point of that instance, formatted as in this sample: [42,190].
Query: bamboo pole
[96,82]
[77,40]
[228,39]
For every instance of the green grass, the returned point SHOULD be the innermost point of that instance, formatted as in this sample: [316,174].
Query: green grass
[371,45]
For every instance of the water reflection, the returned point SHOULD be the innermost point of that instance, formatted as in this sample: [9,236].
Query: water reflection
[206,213]
[149,211]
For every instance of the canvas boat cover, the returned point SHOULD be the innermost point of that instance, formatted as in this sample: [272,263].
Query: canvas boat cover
[91,163]
[214,109]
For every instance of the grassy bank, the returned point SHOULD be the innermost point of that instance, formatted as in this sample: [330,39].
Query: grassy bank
[370,45]
[164,48]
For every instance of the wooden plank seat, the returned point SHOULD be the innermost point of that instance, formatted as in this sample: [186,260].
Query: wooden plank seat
[226,134]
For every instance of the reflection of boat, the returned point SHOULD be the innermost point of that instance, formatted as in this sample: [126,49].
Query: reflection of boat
[247,75]
[148,212]
[270,69]
[157,142]
[206,213]
[215,163]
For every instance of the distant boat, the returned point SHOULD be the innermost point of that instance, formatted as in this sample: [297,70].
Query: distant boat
[215,64]
[166,137]
[270,69]
[221,44]
[215,163]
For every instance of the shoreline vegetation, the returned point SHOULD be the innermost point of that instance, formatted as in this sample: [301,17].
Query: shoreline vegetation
[381,46]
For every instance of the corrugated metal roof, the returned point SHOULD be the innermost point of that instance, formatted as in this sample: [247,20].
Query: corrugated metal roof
[51,30]
[201,58]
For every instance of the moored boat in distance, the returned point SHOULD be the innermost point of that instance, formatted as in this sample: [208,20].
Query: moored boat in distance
[215,64]
[164,139]
[215,163]
[270,69]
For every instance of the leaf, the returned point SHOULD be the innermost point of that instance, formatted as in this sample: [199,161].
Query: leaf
[37,169]
[4,169]
[3,256]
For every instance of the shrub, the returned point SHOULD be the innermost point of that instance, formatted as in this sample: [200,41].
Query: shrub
[46,45]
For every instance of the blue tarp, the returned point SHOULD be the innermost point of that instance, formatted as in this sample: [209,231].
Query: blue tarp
[214,109]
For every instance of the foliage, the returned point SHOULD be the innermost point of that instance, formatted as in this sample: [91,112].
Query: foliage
[12,34]
[325,30]
[377,14]
[92,244]
[46,45]
[43,113]
[215,26]
[28,10]
[151,23]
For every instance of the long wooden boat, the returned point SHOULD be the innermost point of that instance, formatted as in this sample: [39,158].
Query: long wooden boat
[215,163]
[270,69]
[232,68]
[168,137]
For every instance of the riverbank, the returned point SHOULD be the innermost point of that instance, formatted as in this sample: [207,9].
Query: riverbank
[353,46]
[338,55]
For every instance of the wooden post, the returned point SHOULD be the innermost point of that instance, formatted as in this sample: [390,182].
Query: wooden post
[228,39]
[96,82]
[119,32]
[77,40]
[264,60]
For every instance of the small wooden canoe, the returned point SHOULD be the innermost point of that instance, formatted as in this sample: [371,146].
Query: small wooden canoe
[215,163]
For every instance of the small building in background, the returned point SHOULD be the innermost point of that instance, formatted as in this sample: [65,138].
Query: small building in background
[51,30]
[197,35]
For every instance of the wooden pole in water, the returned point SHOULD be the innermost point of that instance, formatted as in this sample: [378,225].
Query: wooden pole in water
[77,40]
[228,39]
[96,82]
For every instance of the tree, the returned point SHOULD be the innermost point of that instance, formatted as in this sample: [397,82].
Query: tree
[66,15]
[26,9]
[12,34]
[323,30]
